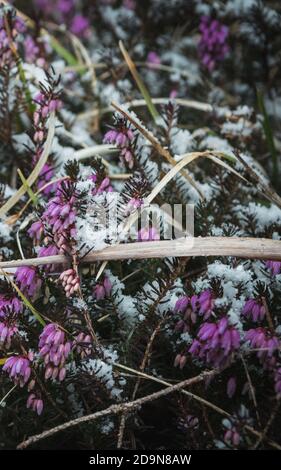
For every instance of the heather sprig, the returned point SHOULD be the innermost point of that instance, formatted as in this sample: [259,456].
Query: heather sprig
[213,46]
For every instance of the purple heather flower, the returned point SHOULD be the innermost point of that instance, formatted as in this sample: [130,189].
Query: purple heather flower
[173,94]
[33,52]
[7,330]
[49,250]
[213,45]
[19,369]
[60,215]
[10,308]
[28,280]
[127,157]
[35,403]
[203,304]
[183,306]
[254,310]
[148,234]
[103,290]
[206,303]
[65,6]
[121,137]
[216,343]
[9,303]
[266,343]
[232,437]
[101,186]
[82,344]
[55,350]
[36,230]
[45,176]
[274,267]
[182,303]
[231,387]
[133,204]
[70,282]
[153,59]
[80,25]
[180,361]
[188,422]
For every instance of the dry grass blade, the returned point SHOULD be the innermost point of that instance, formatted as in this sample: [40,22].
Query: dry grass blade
[268,192]
[89,152]
[153,111]
[24,17]
[217,160]
[35,172]
[85,55]
[193,104]
[156,144]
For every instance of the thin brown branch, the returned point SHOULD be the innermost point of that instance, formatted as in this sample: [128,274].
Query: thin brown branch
[267,426]
[116,409]
[145,359]
[252,390]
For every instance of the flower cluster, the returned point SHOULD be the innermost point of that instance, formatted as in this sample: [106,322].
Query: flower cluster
[232,436]
[184,307]
[54,349]
[19,368]
[70,282]
[103,289]
[100,186]
[274,267]
[60,215]
[203,304]
[11,302]
[231,387]
[148,234]
[266,344]
[216,343]
[213,45]
[65,11]
[35,403]
[122,136]
[10,309]
[8,327]
[82,344]
[57,224]
[153,59]
[254,310]
[28,280]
